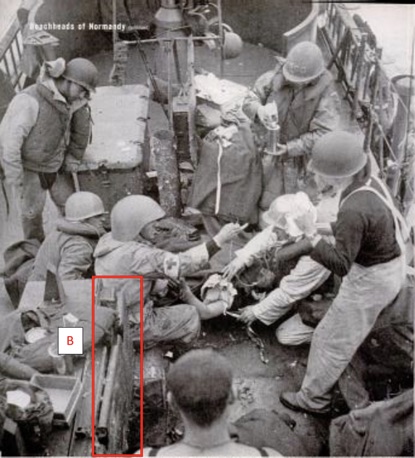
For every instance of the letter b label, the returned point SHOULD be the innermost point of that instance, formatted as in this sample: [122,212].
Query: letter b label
[70,341]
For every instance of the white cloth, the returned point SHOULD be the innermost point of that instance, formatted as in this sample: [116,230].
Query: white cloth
[257,246]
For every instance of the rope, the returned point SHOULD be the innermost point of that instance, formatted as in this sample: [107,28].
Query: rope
[258,342]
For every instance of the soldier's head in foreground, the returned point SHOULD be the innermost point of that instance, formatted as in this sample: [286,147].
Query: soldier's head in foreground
[199,384]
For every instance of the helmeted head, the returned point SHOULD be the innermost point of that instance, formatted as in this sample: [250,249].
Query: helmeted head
[200,384]
[131,214]
[338,154]
[232,45]
[83,205]
[82,72]
[304,63]
[285,209]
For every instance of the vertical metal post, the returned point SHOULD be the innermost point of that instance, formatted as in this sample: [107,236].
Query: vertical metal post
[222,37]
[169,45]
[369,130]
[406,191]
[192,101]
[114,21]
[359,72]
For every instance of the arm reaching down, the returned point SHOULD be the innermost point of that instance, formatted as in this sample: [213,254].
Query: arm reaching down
[206,312]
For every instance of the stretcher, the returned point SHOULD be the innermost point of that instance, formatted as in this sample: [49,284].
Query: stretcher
[113,378]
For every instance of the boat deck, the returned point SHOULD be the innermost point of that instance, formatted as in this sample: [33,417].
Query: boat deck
[257,384]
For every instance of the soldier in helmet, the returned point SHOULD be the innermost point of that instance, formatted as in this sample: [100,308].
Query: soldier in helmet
[44,124]
[70,247]
[127,250]
[307,106]
[369,254]
[67,250]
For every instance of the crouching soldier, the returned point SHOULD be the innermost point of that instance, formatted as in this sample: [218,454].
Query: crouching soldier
[70,247]
[127,250]
[67,250]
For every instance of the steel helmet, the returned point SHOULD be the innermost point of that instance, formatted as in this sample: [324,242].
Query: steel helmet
[82,205]
[83,72]
[232,45]
[338,154]
[304,63]
[284,210]
[131,214]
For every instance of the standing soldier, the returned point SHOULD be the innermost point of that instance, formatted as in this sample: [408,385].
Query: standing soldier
[43,124]
[369,255]
[307,105]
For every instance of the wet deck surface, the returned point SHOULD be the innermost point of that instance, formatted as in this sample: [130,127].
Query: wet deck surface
[257,384]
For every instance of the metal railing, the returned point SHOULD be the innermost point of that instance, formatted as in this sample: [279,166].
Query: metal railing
[11,50]
[373,97]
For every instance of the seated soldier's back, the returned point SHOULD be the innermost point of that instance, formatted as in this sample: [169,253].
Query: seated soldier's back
[230,448]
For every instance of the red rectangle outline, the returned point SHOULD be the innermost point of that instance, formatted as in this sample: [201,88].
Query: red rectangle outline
[141,278]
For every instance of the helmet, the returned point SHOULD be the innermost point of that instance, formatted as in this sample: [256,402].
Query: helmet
[82,205]
[83,72]
[232,45]
[304,63]
[131,214]
[285,209]
[338,154]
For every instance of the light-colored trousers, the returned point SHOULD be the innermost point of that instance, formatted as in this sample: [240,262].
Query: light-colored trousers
[294,332]
[364,293]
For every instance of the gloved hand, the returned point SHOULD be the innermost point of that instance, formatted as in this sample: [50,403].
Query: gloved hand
[228,232]
[233,268]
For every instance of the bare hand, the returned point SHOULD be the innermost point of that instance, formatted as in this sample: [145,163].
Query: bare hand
[185,293]
[247,315]
[233,268]
[306,223]
[71,163]
[281,149]
[228,232]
